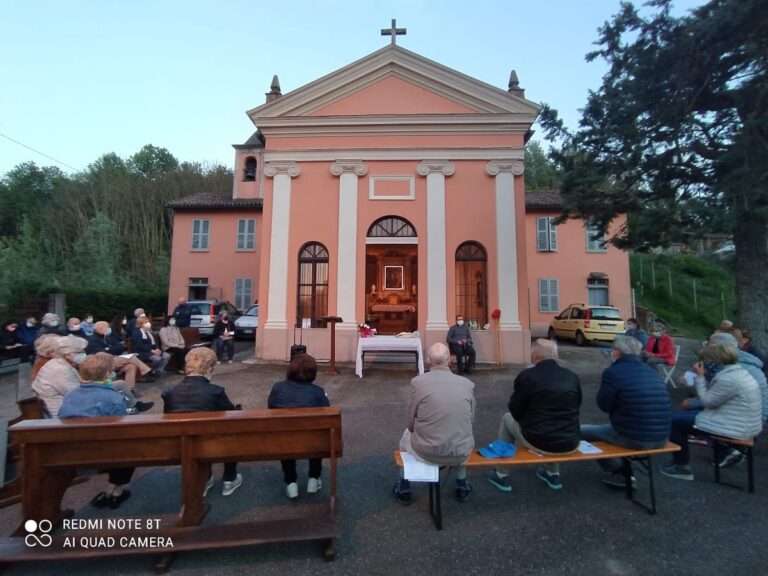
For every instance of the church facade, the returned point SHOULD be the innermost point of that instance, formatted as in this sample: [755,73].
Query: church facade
[390,192]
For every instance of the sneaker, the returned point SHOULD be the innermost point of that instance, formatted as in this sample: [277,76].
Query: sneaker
[552,480]
[314,485]
[230,487]
[402,490]
[674,471]
[733,458]
[463,490]
[208,486]
[617,480]
[142,406]
[292,491]
[501,482]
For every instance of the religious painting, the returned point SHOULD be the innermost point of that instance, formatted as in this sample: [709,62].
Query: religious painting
[393,277]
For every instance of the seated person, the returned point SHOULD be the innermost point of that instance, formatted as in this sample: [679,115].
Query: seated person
[196,393]
[103,340]
[543,414]
[636,331]
[87,324]
[96,397]
[298,390]
[74,327]
[172,342]
[460,343]
[660,348]
[637,402]
[10,344]
[59,375]
[51,325]
[27,333]
[441,411]
[730,402]
[45,348]
[224,337]
[147,348]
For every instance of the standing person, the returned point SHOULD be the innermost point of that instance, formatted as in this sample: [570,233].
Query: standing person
[298,390]
[636,331]
[224,337]
[173,343]
[441,412]
[660,348]
[196,393]
[460,343]
[636,400]
[543,414]
[146,347]
[731,407]
[183,313]
[95,396]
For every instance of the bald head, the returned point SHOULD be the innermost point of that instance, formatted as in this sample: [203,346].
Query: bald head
[439,355]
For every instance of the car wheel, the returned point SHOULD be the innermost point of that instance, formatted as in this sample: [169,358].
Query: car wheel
[551,333]
[580,340]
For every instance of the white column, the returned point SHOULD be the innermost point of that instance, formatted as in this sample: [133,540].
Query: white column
[437,284]
[278,253]
[504,172]
[346,287]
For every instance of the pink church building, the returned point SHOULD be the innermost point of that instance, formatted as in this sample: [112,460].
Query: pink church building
[390,192]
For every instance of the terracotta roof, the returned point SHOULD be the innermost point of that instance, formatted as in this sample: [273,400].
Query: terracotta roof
[214,201]
[543,199]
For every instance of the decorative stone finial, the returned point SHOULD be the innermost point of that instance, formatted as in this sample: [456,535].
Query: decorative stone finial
[274,89]
[514,85]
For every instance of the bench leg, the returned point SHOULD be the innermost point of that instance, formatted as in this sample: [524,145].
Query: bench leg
[651,484]
[329,554]
[435,509]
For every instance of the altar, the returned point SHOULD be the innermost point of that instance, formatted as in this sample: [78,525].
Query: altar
[388,344]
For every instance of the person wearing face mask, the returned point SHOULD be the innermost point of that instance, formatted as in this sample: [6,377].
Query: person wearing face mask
[147,348]
[660,348]
[730,404]
[224,337]
[196,393]
[51,325]
[87,325]
[27,332]
[119,324]
[102,340]
[10,345]
[74,327]
[173,343]
[59,375]
[460,343]
[636,331]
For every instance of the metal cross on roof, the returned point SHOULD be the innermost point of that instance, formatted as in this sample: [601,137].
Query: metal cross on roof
[394,31]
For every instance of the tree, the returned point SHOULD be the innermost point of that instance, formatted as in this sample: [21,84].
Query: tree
[541,173]
[679,128]
[24,191]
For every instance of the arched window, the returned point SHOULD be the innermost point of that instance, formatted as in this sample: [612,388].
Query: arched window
[472,283]
[391,227]
[312,301]
[249,173]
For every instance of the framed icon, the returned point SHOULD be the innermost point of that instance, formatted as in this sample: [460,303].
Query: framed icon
[393,278]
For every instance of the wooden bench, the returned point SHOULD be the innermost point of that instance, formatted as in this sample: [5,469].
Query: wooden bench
[525,457]
[719,446]
[53,450]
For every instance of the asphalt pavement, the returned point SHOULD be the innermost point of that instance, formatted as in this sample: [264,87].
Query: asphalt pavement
[584,529]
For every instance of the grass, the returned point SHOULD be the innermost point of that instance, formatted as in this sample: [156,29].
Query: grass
[690,294]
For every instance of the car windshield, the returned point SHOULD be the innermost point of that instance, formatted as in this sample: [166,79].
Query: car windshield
[252,311]
[200,308]
[605,314]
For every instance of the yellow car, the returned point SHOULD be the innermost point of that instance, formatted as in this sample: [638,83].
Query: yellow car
[587,323]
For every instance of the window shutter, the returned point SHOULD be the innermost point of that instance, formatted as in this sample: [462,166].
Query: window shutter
[554,295]
[552,234]
[543,295]
[541,234]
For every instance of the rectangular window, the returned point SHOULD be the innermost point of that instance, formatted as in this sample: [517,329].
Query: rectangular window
[243,293]
[595,239]
[246,234]
[201,229]
[549,295]
[546,234]
[598,291]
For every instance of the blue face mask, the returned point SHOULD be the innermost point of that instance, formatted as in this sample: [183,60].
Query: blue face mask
[710,369]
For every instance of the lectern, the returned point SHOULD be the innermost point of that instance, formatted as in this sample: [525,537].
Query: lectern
[332,320]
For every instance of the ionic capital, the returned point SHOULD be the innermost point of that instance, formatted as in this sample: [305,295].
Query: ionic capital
[495,166]
[355,166]
[447,168]
[272,169]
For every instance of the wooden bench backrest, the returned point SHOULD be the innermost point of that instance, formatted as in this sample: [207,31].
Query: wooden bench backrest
[148,440]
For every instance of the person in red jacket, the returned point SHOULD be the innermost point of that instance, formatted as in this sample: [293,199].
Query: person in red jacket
[660,348]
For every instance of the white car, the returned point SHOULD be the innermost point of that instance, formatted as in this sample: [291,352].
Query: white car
[246,325]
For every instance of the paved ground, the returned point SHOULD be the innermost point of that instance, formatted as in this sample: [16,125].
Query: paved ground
[584,529]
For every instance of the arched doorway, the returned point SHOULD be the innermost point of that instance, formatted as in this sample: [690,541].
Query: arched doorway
[392,275]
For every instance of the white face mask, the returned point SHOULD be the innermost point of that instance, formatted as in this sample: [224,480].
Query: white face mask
[460,322]
[172,322]
[78,358]
[147,326]
[75,327]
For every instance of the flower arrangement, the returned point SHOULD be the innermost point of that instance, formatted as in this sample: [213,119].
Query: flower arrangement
[366,331]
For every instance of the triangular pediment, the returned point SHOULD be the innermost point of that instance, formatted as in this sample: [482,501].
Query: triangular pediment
[396,81]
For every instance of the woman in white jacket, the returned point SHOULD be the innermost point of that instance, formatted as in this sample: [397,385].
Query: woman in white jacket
[731,406]
[59,375]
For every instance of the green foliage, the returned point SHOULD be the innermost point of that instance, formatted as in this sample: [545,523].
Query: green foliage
[96,255]
[691,315]
[105,305]
[541,173]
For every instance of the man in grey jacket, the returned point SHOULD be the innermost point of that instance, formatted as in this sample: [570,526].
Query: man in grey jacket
[441,411]
[460,343]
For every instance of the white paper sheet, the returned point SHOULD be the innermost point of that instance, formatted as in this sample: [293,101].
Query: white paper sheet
[418,471]
[587,448]
[128,355]
[690,378]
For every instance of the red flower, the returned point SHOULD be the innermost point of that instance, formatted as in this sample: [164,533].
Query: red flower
[496,314]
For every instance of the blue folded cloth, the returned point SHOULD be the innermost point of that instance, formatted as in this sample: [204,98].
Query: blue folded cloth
[498,449]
